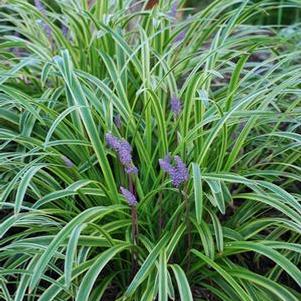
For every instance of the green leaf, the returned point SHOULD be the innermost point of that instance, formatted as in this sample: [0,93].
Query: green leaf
[269,252]
[218,231]
[183,285]
[146,267]
[23,185]
[90,277]
[163,281]
[70,253]
[87,215]
[240,292]
[75,89]
[276,289]
[198,191]
[217,193]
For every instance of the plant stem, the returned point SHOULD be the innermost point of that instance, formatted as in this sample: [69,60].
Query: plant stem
[134,228]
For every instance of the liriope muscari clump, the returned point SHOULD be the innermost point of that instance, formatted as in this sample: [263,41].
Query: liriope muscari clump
[175,167]
[123,150]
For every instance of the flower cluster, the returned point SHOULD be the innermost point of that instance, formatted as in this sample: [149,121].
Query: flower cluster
[180,37]
[174,9]
[177,171]
[124,150]
[38,4]
[175,105]
[130,198]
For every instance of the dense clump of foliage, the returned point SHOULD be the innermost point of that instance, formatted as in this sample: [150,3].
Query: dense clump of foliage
[148,154]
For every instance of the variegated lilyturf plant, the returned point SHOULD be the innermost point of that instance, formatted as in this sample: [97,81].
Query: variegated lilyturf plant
[150,153]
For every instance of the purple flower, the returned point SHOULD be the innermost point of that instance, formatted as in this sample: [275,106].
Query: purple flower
[177,171]
[130,198]
[180,37]
[165,164]
[16,51]
[175,105]
[46,27]
[117,121]
[131,169]
[48,30]
[65,30]
[112,141]
[181,172]
[174,9]
[123,150]
[38,4]
[67,161]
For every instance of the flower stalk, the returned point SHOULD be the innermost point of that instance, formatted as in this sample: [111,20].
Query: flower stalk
[130,197]
[135,232]
[134,213]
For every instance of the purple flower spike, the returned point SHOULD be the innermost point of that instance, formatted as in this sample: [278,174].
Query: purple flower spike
[178,171]
[38,4]
[180,37]
[65,30]
[67,161]
[123,150]
[181,174]
[112,141]
[130,198]
[131,169]
[174,9]
[165,164]
[48,31]
[175,105]
[117,121]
